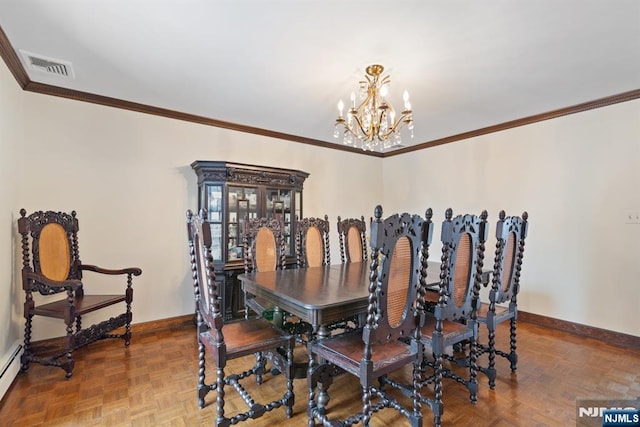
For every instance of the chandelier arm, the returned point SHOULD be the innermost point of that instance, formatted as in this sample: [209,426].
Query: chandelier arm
[377,134]
[359,112]
[360,108]
[397,126]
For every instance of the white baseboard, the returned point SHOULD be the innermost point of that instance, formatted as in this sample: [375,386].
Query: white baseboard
[9,366]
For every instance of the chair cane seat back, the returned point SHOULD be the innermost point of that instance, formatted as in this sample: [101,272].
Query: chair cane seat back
[266,255]
[354,250]
[462,239]
[263,242]
[312,242]
[400,275]
[313,247]
[55,253]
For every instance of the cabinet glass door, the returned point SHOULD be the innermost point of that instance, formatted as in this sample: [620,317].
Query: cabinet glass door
[213,197]
[279,205]
[243,203]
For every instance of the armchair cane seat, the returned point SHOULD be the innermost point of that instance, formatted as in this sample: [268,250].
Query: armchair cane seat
[82,305]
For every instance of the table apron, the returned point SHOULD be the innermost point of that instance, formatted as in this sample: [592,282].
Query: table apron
[315,316]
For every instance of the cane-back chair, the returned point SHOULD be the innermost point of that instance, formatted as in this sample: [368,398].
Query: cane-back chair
[264,250]
[51,266]
[510,235]
[369,353]
[353,244]
[453,320]
[225,342]
[312,242]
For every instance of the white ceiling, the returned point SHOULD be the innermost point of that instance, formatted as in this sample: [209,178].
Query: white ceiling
[283,65]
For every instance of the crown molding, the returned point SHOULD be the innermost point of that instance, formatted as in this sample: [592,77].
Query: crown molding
[11,59]
[578,108]
[15,66]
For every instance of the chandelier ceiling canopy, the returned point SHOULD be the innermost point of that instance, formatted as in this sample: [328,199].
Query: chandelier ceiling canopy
[373,124]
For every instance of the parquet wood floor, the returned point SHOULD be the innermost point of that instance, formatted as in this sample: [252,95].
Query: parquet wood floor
[153,383]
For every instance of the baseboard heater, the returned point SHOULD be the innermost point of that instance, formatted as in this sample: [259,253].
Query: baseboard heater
[10,369]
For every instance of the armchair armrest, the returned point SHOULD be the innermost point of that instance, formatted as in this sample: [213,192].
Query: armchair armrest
[72,284]
[130,270]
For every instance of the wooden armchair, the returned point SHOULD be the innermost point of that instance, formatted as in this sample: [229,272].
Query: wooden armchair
[377,349]
[353,244]
[510,235]
[51,239]
[225,342]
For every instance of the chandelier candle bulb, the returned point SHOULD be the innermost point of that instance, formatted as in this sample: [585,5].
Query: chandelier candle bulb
[405,97]
[384,90]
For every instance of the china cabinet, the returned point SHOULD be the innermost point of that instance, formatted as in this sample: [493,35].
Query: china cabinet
[229,192]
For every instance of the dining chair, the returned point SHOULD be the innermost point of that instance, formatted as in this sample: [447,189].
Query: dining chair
[353,248]
[375,350]
[353,244]
[51,267]
[228,341]
[312,242]
[453,319]
[505,285]
[264,250]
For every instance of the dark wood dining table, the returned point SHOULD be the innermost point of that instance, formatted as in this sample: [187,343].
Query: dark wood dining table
[324,295]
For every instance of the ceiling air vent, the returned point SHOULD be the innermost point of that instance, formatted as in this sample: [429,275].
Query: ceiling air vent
[52,66]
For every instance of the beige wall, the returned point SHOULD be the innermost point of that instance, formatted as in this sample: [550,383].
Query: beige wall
[576,176]
[11,138]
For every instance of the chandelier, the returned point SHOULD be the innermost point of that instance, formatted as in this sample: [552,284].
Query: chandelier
[373,125]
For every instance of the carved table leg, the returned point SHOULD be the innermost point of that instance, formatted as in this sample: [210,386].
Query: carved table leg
[323,389]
